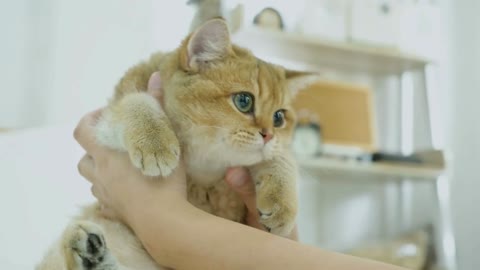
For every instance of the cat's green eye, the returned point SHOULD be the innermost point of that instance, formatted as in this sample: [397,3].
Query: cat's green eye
[244,102]
[279,118]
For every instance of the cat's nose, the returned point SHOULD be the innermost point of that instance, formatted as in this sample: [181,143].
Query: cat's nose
[266,135]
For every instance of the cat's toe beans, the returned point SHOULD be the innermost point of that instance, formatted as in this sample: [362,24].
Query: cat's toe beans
[94,243]
[87,242]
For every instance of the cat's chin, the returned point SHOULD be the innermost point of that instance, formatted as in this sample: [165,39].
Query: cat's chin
[243,159]
[222,154]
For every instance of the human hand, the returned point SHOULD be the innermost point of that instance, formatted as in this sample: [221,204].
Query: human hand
[116,183]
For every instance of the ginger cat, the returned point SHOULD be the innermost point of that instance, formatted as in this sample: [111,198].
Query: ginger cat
[223,107]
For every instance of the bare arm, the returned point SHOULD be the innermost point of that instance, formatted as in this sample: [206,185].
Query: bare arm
[188,238]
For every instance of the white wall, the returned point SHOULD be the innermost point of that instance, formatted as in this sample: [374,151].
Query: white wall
[63,58]
[465,130]
[14,29]
[93,44]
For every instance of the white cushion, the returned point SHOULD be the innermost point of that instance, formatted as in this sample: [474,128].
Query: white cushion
[41,189]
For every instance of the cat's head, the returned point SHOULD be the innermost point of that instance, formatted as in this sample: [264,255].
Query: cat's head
[227,104]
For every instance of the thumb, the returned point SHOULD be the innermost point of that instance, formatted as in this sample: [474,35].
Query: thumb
[240,181]
[155,86]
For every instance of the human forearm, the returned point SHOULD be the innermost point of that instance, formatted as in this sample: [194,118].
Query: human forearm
[209,242]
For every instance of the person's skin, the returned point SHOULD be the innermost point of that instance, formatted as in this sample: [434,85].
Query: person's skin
[177,234]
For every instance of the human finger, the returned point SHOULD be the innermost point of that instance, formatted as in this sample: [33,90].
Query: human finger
[84,133]
[86,167]
[240,181]
[107,212]
[102,207]
[155,86]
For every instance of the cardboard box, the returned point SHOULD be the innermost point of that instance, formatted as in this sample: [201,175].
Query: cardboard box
[345,113]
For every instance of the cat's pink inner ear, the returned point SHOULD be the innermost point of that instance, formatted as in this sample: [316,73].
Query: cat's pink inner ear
[155,86]
[210,42]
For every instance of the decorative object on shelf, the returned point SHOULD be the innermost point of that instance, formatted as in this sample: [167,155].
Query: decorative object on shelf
[209,9]
[235,18]
[375,22]
[325,19]
[269,18]
[206,10]
[346,112]
[307,139]
[346,153]
[428,158]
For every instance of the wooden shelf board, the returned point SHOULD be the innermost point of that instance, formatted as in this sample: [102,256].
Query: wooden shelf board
[324,53]
[398,170]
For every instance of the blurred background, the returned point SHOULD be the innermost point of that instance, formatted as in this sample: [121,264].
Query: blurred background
[387,141]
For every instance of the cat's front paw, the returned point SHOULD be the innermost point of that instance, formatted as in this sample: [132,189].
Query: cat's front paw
[155,152]
[277,208]
[88,248]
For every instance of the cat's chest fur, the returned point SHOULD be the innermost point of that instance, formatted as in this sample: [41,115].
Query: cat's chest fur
[207,190]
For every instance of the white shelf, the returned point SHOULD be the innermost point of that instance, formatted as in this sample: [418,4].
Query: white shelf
[320,52]
[326,166]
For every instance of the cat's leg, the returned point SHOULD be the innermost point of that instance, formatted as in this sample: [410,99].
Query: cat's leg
[276,193]
[136,123]
[84,248]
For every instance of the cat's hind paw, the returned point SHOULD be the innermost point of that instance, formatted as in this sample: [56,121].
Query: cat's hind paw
[86,244]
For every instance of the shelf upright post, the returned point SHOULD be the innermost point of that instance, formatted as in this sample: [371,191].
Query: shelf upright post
[445,241]
[407,107]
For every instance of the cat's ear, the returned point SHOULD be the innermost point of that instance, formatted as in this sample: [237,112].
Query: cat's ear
[299,80]
[210,42]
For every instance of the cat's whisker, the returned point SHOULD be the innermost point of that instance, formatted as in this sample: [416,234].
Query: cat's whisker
[217,127]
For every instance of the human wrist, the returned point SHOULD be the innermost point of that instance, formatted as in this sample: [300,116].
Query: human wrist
[140,211]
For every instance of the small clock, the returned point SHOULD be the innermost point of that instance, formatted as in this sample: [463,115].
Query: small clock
[307,140]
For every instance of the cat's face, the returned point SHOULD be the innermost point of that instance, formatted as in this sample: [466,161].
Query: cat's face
[234,109]
[238,111]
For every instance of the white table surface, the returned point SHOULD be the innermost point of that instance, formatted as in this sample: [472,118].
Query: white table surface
[41,189]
